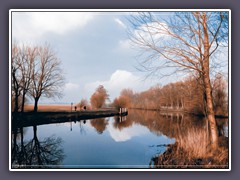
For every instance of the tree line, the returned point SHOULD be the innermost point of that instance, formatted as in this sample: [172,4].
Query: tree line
[184,41]
[36,72]
[186,95]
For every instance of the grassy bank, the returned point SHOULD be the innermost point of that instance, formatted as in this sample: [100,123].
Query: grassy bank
[177,157]
[60,114]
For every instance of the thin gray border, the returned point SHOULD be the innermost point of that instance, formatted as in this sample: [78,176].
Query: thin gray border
[5,5]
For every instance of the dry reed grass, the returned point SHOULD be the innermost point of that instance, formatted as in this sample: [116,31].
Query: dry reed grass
[179,157]
[52,108]
[194,150]
[196,142]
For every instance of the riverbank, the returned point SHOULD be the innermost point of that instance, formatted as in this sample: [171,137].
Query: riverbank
[176,157]
[48,117]
[69,108]
[172,111]
[51,108]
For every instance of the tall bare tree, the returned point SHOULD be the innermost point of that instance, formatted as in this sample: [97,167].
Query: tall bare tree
[47,75]
[182,41]
[29,55]
[16,76]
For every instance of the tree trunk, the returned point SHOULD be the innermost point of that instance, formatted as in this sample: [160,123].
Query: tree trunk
[208,88]
[16,102]
[210,111]
[23,102]
[34,132]
[14,149]
[36,104]
[17,91]
[22,144]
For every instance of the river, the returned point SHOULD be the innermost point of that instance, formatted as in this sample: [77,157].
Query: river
[132,141]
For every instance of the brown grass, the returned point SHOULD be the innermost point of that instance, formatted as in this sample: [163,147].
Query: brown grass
[193,149]
[189,153]
[176,157]
[196,142]
[52,108]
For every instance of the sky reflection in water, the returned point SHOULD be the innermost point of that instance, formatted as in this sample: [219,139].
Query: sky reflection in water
[111,142]
[84,145]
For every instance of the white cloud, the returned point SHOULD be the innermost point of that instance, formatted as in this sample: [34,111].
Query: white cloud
[119,22]
[122,78]
[126,133]
[119,80]
[32,25]
[60,22]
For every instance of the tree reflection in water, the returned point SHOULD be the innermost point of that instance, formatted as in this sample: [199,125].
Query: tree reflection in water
[36,153]
[99,124]
[121,122]
[192,148]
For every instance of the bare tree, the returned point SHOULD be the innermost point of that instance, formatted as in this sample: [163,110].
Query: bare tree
[29,54]
[83,103]
[99,97]
[120,102]
[16,78]
[47,75]
[220,95]
[187,41]
[128,94]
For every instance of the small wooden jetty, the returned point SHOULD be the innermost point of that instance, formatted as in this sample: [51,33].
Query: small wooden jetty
[123,112]
[39,118]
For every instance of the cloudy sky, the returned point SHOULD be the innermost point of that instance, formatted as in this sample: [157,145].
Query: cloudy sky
[94,49]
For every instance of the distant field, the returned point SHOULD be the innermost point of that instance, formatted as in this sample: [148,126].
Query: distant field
[53,108]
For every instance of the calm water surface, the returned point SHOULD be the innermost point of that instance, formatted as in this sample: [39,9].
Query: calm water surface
[129,142]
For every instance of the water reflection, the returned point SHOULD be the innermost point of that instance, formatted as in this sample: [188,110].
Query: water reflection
[35,153]
[193,147]
[122,122]
[143,139]
[99,124]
